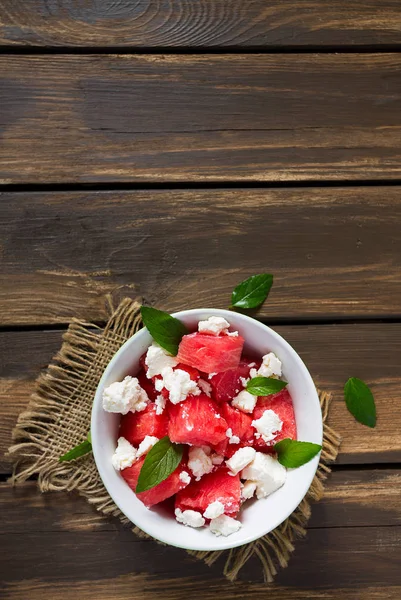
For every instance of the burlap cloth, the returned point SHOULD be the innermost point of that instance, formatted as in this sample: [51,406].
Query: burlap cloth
[58,418]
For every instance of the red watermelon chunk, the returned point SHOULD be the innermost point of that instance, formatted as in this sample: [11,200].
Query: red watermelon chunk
[228,384]
[196,421]
[218,485]
[165,489]
[210,353]
[147,385]
[193,373]
[282,405]
[239,422]
[136,426]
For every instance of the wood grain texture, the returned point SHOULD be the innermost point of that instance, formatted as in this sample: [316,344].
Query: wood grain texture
[353,527]
[334,253]
[332,353]
[103,118]
[205,23]
[353,498]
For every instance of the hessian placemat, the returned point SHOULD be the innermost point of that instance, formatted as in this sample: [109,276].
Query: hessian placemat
[58,418]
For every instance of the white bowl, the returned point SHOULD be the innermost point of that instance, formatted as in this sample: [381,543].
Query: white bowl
[260,516]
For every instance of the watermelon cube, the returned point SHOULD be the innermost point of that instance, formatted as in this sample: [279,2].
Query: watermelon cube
[282,405]
[136,426]
[227,385]
[218,485]
[239,422]
[147,385]
[196,421]
[164,490]
[210,353]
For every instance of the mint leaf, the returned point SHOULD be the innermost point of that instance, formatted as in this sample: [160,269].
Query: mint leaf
[292,453]
[160,462]
[252,292]
[360,402]
[80,450]
[264,386]
[166,330]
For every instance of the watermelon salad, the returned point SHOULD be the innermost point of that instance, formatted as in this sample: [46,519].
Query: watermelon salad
[199,399]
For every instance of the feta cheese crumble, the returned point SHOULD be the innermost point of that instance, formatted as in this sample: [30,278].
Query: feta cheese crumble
[214,510]
[270,367]
[125,396]
[184,477]
[239,460]
[248,490]
[245,401]
[217,459]
[160,404]
[199,462]
[178,383]
[266,472]
[147,443]
[124,455]
[268,426]
[232,439]
[190,518]
[205,387]
[213,325]
[157,359]
[224,525]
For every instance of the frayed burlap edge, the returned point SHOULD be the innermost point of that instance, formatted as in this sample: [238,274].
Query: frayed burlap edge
[58,417]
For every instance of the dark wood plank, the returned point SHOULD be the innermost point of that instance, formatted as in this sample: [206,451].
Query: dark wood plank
[353,498]
[64,544]
[335,253]
[200,118]
[332,353]
[230,23]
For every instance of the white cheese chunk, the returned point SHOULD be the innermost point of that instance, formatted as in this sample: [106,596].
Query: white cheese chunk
[214,325]
[248,490]
[199,462]
[232,439]
[205,387]
[124,455]
[268,426]
[178,383]
[266,472]
[157,359]
[224,525]
[217,459]
[190,518]
[245,401]
[184,477]
[147,443]
[240,459]
[214,510]
[125,396]
[160,404]
[271,366]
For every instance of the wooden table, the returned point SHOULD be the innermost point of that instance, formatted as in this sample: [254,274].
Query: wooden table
[172,149]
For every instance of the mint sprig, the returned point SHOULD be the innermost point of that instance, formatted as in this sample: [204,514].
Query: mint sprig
[360,402]
[166,330]
[252,292]
[293,454]
[264,386]
[160,462]
[80,450]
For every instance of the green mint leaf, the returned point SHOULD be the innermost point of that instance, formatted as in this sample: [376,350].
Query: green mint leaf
[160,462]
[166,330]
[80,450]
[292,453]
[360,402]
[252,292]
[264,386]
